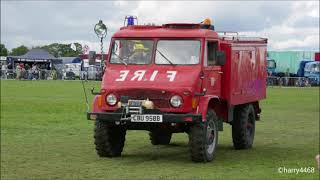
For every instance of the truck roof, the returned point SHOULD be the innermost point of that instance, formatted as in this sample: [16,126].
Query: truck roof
[183,30]
[234,37]
[165,31]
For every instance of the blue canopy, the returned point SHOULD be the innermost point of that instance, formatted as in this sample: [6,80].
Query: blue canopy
[34,55]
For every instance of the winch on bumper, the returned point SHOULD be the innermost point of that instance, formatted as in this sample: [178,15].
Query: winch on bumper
[142,111]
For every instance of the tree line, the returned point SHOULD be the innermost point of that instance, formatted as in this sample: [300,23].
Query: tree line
[56,49]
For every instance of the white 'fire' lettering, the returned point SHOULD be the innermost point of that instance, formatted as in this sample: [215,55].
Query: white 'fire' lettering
[123,75]
[171,75]
[154,74]
[138,74]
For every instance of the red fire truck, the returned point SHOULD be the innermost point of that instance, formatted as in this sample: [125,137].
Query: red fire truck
[178,78]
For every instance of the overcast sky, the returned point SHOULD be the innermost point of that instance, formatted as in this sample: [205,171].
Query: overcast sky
[289,25]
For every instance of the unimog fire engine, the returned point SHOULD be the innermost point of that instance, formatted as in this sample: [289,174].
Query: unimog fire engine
[178,78]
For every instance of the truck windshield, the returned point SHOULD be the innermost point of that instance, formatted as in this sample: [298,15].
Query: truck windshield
[313,67]
[131,52]
[177,52]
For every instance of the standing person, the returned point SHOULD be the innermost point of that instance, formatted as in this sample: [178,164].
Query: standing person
[43,71]
[10,66]
[30,75]
[27,68]
[10,73]
[18,71]
[4,71]
[53,74]
[23,71]
[35,72]
[287,74]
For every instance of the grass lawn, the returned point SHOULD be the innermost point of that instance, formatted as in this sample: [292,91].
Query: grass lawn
[45,135]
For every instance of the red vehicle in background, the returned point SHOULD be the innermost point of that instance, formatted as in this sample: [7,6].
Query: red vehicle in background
[178,78]
[317,56]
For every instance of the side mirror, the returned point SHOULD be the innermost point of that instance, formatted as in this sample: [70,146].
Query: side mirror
[220,58]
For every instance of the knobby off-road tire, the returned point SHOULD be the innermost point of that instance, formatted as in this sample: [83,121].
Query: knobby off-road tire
[203,138]
[160,137]
[243,126]
[109,139]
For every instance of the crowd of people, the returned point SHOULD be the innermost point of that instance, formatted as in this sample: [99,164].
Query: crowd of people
[47,71]
[28,71]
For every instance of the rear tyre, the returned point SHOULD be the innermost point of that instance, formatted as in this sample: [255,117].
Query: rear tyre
[203,138]
[243,126]
[160,137]
[109,139]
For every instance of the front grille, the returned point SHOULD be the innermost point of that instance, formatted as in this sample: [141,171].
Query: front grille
[160,100]
[135,103]
[134,110]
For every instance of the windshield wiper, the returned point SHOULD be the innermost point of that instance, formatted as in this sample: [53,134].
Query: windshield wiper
[121,60]
[164,57]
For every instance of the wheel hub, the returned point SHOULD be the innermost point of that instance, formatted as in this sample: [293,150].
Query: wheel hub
[211,137]
[249,126]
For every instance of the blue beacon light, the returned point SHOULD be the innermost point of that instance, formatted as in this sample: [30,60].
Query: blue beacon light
[130,21]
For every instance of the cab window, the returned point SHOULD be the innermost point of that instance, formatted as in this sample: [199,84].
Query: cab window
[131,52]
[212,48]
[182,52]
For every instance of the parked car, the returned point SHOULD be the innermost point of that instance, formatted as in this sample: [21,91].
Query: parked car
[74,68]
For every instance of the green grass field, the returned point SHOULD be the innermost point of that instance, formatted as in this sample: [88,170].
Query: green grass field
[45,135]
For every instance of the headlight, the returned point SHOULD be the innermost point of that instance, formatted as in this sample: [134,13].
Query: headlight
[176,101]
[111,99]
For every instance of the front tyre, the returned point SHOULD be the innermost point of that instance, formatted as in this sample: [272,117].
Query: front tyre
[203,138]
[109,139]
[243,126]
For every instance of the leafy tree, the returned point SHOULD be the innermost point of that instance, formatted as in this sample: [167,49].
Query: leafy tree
[63,50]
[3,50]
[18,51]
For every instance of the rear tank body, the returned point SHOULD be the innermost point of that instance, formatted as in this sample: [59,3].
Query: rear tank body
[244,74]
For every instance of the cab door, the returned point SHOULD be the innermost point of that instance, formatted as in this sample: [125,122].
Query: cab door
[212,71]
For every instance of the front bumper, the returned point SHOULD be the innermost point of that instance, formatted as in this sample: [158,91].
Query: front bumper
[118,116]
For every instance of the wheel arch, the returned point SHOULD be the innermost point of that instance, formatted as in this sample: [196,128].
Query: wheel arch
[219,106]
[204,105]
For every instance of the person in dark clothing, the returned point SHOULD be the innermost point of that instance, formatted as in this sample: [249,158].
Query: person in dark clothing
[27,67]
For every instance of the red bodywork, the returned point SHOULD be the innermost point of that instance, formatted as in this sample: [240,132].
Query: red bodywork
[317,56]
[241,80]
